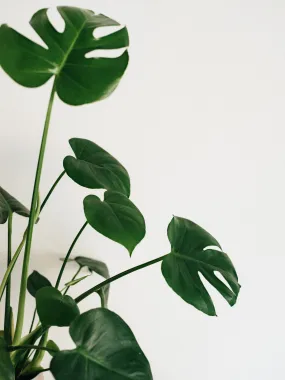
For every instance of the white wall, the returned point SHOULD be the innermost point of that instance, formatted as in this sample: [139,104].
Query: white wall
[199,122]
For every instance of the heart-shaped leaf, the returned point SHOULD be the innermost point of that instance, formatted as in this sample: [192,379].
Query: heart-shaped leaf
[79,80]
[7,371]
[54,309]
[98,267]
[106,349]
[9,204]
[189,257]
[116,218]
[36,281]
[95,168]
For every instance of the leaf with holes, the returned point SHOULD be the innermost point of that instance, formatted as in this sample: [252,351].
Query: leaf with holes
[116,218]
[36,281]
[188,257]
[9,204]
[79,80]
[55,309]
[95,168]
[7,371]
[105,349]
[98,267]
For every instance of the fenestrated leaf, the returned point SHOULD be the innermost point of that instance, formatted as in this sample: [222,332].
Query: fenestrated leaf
[55,309]
[9,204]
[36,281]
[98,267]
[106,349]
[188,257]
[95,168]
[7,371]
[79,79]
[116,218]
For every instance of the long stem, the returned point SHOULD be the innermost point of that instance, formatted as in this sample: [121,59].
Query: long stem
[68,254]
[25,269]
[116,277]
[7,320]
[30,347]
[20,247]
[73,278]
[33,321]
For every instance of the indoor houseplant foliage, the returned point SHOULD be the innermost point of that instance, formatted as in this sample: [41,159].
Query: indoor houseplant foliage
[105,345]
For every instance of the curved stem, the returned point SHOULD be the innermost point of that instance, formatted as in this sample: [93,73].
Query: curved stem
[7,320]
[33,321]
[30,347]
[68,254]
[116,277]
[73,278]
[51,190]
[11,265]
[20,247]
[33,209]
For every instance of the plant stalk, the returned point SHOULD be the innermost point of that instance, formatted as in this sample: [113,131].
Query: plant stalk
[7,320]
[68,254]
[73,278]
[116,277]
[30,347]
[32,219]
[51,190]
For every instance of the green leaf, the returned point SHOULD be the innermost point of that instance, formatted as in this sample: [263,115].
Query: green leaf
[79,80]
[52,346]
[98,267]
[54,309]
[9,204]
[105,349]
[31,373]
[36,281]
[116,218]
[95,168]
[7,371]
[189,257]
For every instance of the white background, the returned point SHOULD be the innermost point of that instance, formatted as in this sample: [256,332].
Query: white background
[198,121]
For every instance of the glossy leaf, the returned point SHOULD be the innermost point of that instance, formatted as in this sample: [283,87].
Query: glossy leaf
[189,257]
[55,309]
[9,204]
[7,371]
[95,168]
[52,346]
[105,349]
[116,218]
[98,267]
[79,80]
[36,281]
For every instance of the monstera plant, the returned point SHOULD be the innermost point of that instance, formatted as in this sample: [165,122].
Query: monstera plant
[105,346]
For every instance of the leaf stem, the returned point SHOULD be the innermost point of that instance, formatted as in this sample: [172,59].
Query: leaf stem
[73,278]
[33,210]
[7,320]
[51,190]
[68,254]
[30,347]
[116,277]
[33,321]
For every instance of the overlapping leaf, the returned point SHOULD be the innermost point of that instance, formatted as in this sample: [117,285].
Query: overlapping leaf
[9,204]
[36,281]
[190,256]
[95,168]
[105,349]
[116,218]
[79,80]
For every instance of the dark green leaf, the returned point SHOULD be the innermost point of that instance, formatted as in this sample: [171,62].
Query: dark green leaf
[189,257]
[79,79]
[7,371]
[52,346]
[106,349]
[98,267]
[95,168]
[36,281]
[116,218]
[54,309]
[9,204]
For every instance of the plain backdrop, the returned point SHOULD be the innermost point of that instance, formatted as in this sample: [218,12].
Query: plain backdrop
[198,121]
